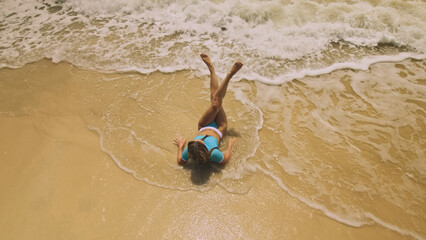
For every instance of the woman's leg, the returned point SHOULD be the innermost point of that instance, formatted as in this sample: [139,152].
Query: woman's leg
[220,119]
[215,111]
[213,78]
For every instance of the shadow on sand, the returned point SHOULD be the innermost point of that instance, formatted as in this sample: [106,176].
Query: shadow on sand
[200,173]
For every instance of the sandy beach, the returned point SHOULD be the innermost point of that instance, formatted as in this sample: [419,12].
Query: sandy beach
[57,183]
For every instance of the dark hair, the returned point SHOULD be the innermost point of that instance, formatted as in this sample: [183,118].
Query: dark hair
[198,152]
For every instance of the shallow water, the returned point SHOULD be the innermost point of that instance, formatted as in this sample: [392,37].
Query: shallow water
[351,144]
[138,118]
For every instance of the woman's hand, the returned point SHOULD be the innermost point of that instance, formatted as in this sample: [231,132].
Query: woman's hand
[180,142]
[232,141]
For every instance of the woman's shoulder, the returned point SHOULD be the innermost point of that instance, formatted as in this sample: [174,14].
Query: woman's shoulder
[216,156]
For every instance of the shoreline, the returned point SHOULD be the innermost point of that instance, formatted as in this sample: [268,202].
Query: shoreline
[361,65]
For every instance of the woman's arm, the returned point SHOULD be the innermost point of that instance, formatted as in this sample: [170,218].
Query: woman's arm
[180,143]
[227,154]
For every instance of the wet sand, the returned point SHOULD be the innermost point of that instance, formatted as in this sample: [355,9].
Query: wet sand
[57,183]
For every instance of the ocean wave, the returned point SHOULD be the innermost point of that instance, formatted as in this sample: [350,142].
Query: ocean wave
[277,41]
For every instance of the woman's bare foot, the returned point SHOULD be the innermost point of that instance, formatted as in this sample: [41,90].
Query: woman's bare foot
[235,68]
[206,60]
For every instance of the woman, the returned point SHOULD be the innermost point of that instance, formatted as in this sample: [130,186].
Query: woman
[212,125]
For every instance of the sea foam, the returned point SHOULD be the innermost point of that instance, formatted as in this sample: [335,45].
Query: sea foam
[277,41]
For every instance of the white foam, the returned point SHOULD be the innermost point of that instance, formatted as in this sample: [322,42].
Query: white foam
[277,42]
[111,155]
[131,171]
[363,218]
[393,227]
[315,205]
[362,64]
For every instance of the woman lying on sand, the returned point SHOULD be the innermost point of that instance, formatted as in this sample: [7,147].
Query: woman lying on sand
[212,125]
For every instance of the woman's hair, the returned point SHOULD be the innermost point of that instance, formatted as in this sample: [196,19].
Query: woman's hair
[198,152]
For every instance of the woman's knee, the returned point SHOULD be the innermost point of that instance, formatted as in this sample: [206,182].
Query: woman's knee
[216,104]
